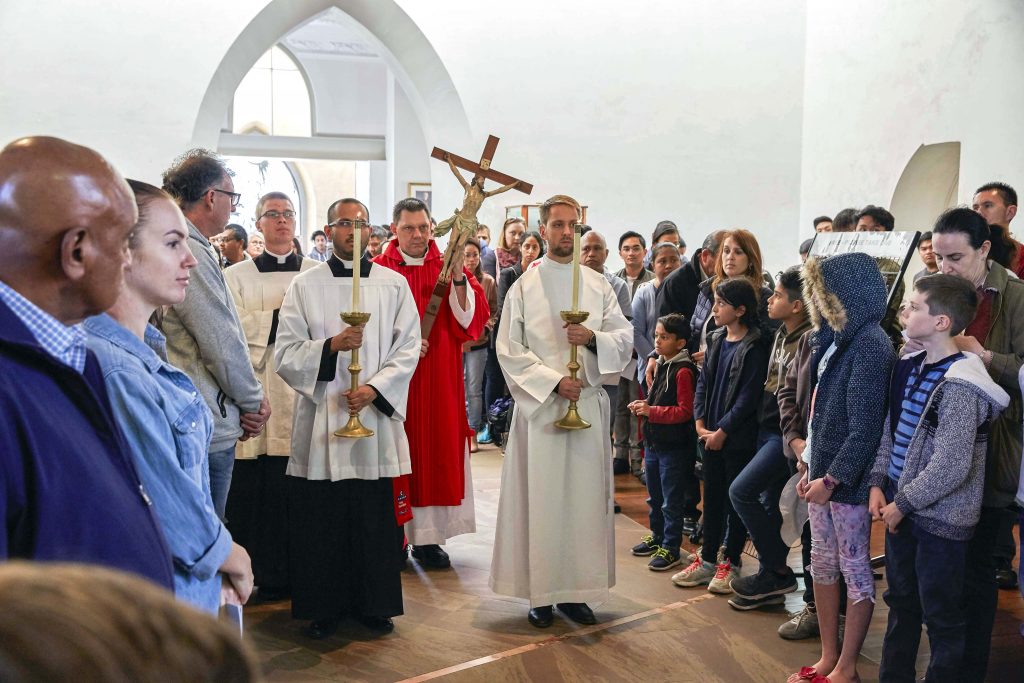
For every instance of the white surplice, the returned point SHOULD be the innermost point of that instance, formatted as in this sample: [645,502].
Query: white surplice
[388,356]
[257,295]
[555,540]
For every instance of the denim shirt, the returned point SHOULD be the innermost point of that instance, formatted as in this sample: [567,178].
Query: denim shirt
[168,426]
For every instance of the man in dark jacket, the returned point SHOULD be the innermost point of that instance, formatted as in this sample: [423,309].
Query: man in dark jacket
[68,487]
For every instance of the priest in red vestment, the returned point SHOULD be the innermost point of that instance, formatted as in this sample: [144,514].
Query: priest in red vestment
[441,486]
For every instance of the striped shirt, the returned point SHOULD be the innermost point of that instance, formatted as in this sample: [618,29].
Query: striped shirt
[920,384]
[63,342]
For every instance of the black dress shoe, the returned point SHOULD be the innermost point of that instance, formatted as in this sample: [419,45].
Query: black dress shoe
[578,612]
[1006,578]
[322,628]
[377,624]
[431,556]
[541,617]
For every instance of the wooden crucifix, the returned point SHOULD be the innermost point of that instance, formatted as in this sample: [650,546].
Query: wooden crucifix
[463,224]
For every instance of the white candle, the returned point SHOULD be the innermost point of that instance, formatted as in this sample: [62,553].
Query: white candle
[356,258]
[576,269]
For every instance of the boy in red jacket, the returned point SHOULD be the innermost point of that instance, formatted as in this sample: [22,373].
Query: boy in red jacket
[670,443]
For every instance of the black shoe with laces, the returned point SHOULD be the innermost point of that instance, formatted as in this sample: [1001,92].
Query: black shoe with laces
[764,584]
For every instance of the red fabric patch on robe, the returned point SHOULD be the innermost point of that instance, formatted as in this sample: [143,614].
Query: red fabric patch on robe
[436,423]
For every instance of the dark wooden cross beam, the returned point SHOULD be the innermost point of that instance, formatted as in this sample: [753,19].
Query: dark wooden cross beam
[484,167]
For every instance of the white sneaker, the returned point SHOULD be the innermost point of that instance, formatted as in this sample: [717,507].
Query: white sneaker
[697,573]
[724,574]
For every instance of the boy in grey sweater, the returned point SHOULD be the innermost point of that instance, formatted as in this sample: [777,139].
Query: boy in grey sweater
[928,477]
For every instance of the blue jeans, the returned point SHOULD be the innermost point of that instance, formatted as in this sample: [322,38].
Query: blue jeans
[755,497]
[925,574]
[473,363]
[221,465]
[665,496]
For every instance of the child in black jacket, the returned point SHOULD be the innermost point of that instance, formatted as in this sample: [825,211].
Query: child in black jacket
[725,406]
[670,441]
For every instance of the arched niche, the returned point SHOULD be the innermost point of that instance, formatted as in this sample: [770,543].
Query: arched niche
[411,58]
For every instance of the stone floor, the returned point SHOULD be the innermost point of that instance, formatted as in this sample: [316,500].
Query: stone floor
[456,629]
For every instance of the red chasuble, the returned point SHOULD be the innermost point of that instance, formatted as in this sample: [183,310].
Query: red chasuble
[436,424]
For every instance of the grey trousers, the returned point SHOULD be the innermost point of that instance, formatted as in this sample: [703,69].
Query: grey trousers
[627,437]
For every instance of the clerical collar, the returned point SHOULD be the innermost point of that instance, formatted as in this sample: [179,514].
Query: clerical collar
[268,262]
[341,268]
[279,257]
[412,260]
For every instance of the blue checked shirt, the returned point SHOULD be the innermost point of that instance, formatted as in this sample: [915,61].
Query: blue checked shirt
[63,342]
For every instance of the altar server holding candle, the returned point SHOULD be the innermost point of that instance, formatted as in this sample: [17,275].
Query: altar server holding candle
[346,536]
[551,473]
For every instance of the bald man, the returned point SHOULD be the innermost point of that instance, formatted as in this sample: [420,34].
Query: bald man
[68,486]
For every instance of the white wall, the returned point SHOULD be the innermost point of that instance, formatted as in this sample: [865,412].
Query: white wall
[735,113]
[884,78]
[655,110]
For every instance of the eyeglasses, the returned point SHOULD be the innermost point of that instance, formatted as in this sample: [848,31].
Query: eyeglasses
[235,197]
[345,223]
[635,249]
[274,215]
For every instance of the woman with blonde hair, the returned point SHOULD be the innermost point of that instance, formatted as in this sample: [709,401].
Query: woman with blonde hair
[160,411]
[509,240]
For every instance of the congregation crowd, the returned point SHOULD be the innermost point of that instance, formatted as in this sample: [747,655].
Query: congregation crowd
[173,386]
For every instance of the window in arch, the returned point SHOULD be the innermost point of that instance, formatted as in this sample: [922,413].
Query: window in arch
[254,177]
[273,98]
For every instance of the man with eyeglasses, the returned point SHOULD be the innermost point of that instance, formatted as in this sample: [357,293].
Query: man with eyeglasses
[441,484]
[204,333]
[346,498]
[256,509]
[233,243]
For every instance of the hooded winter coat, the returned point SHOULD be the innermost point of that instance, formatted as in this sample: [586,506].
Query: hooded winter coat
[846,299]
[944,471]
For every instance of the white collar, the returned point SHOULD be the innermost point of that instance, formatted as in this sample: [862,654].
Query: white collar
[280,259]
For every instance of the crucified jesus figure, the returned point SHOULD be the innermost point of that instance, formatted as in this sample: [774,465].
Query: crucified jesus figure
[464,221]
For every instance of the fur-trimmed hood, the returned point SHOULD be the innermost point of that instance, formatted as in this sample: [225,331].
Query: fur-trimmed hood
[843,293]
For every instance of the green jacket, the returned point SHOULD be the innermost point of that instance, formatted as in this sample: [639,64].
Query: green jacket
[1006,342]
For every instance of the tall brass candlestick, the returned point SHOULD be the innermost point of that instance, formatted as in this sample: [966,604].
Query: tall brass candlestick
[572,419]
[354,429]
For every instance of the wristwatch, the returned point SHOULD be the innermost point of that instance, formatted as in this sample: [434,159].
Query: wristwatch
[829,482]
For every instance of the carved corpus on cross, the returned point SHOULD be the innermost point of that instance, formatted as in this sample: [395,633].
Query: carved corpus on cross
[463,224]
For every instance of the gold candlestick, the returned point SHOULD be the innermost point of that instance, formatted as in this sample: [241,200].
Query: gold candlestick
[572,419]
[354,429]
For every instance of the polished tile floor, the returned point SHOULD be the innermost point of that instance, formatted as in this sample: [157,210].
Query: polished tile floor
[456,629]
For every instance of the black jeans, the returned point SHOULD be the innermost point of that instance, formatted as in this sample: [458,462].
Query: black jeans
[755,497]
[720,469]
[981,594]
[925,574]
[494,381]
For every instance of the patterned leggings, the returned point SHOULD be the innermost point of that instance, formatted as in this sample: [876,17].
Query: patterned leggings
[840,534]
